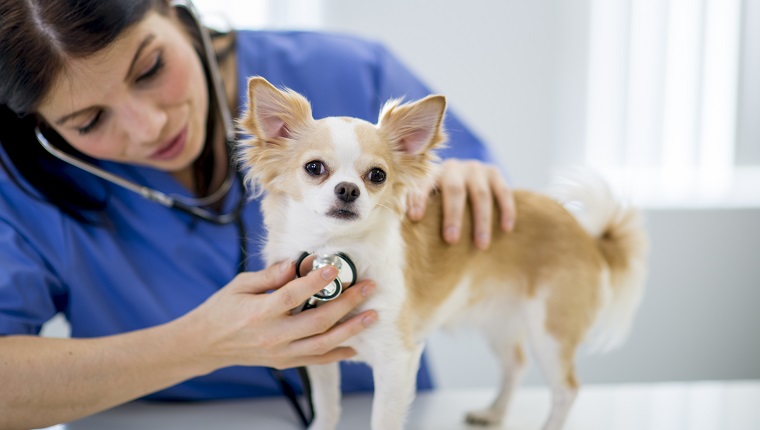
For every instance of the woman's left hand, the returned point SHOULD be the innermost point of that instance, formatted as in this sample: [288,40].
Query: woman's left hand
[458,181]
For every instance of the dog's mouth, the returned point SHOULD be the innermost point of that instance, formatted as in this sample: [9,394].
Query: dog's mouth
[343,214]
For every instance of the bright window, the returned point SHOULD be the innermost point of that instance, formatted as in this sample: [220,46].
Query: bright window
[664,86]
[248,14]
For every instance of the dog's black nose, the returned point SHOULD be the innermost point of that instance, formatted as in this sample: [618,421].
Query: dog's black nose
[347,191]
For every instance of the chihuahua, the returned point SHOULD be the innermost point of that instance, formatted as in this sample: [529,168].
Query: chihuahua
[571,270]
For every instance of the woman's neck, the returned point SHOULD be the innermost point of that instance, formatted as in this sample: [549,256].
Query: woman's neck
[186,178]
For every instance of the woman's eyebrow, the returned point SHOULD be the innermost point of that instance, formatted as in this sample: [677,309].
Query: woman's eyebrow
[65,118]
[145,42]
[140,48]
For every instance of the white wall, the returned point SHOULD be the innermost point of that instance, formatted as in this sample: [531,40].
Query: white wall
[495,61]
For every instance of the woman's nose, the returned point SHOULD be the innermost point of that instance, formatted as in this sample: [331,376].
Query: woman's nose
[144,121]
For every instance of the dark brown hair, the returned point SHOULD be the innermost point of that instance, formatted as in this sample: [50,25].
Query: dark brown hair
[37,38]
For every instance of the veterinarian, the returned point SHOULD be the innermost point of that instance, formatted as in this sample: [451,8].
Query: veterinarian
[120,207]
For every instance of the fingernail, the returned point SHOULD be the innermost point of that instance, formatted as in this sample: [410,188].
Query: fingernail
[451,233]
[285,266]
[329,272]
[510,225]
[368,289]
[417,210]
[483,240]
[369,319]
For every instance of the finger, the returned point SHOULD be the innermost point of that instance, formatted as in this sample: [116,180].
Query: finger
[299,290]
[307,263]
[271,278]
[337,354]
[416,202]
[454,197]
[327,341]
[505,200]
[321,319]
[481,202]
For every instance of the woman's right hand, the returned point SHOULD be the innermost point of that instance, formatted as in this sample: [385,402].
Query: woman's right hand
[242,324]
[246,324]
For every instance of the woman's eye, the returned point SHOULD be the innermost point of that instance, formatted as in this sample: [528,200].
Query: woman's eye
[154,69]
[315,168]
[90,125]
[376,176]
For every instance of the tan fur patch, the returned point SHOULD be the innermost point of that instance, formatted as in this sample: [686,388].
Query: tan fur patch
[546,249]
[263,154]
[375,151]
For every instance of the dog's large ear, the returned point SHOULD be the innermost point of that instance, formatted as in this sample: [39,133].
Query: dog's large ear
[274,114]
[414,127]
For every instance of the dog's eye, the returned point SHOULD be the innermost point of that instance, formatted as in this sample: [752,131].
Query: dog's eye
[376,176]
[315,168]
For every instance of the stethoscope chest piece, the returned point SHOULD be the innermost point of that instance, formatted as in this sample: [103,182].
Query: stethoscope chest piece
[346,275]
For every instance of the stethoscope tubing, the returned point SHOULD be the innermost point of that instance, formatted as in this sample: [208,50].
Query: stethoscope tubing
[189,205]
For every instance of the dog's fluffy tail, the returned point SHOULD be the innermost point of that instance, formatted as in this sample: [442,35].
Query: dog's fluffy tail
[622,240]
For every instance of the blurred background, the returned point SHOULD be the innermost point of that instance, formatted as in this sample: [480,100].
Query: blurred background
[662,96]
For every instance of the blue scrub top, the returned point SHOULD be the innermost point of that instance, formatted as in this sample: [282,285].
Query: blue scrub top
[149,264]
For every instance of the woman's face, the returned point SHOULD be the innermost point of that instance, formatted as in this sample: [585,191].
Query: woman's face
[143,100]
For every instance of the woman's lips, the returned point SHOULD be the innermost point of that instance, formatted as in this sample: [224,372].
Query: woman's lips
[173,148]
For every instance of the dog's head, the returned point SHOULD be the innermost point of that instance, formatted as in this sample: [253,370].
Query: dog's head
[340,169]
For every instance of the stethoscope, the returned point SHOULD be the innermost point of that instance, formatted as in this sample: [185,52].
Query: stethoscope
[347,274]
[190,205]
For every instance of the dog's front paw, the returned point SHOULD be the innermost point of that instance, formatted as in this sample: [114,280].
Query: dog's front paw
[483,417]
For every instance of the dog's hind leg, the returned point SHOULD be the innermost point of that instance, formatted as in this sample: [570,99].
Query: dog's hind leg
[395,383]
[325,390]
[506,340]
[556,361]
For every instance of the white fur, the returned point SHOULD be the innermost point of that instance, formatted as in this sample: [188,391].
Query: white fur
[588,197]
[347,150]
[503,323]
[547,355]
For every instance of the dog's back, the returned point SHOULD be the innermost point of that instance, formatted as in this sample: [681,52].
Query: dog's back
[562,276]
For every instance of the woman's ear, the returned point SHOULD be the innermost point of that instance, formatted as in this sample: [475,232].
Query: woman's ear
[415,127]
[273,114]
